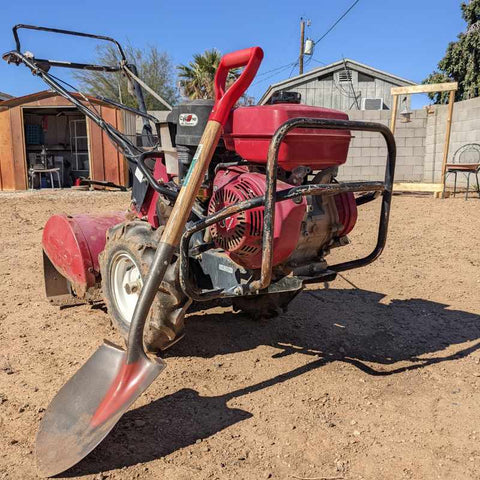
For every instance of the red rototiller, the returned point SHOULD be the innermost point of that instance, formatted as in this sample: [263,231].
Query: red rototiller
[230,206]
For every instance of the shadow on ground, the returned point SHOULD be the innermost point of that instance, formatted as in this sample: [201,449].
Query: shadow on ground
[352,326]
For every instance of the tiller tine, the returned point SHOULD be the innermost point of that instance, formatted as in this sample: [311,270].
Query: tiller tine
[90,404]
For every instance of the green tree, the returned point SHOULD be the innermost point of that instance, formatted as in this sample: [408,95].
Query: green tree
[154,68]
[196,78]
[461,62]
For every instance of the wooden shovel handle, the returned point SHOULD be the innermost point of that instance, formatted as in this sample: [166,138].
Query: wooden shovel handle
[192,183]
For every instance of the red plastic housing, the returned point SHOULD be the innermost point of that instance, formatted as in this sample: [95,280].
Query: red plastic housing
[250,129]
[347,212]
[241,235]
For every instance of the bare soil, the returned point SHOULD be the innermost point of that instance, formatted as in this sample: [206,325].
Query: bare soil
[376,377]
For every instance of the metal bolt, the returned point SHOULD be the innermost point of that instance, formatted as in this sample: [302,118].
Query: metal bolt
[133,287]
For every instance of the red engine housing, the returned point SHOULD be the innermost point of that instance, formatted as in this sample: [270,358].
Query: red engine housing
[250,129]
[241,235]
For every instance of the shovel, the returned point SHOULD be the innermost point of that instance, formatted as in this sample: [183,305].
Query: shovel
[89,405]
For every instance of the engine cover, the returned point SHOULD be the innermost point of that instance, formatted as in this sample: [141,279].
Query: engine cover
[241,234]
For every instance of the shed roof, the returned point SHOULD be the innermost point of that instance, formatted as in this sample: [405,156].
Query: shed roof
[5,96]
[333,67]
[34,97]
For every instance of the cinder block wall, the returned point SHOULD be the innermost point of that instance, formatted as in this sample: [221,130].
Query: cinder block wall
[368,154]
[419,143]
[465,129]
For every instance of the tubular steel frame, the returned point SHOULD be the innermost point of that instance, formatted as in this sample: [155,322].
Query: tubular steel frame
[272,196]
[40,67]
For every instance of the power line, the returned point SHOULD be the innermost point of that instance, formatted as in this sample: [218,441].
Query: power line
[274,69]
[276,72]
[318,61]
[337,22]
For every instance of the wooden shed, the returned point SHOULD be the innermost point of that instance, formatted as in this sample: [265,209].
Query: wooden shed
[44,126]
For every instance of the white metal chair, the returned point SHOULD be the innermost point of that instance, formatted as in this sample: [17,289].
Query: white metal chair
[39,171]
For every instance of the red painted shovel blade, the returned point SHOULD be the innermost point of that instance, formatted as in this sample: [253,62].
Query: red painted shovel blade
[89,405]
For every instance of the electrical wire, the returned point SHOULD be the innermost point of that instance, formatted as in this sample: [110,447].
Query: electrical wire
[274,70]
[337,22]
[283,68]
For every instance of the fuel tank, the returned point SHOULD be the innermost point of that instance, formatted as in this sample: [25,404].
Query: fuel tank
[71,245]
[250,129]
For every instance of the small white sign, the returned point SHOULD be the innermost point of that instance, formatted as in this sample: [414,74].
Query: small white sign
[187,119]
[139,175]
[225,268]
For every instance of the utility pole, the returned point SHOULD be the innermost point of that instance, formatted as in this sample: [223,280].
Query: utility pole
[302,46]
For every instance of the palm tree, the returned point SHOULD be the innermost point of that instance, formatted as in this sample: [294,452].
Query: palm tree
[196,78]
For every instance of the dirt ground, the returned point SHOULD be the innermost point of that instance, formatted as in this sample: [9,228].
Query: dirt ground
[376,377]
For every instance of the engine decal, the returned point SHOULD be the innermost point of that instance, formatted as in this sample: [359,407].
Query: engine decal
[188,120]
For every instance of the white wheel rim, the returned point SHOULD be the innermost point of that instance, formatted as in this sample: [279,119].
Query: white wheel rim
[125,275]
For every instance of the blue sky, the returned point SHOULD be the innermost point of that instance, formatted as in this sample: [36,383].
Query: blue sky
[405,37]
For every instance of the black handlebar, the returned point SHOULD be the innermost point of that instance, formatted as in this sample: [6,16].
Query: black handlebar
[63,32]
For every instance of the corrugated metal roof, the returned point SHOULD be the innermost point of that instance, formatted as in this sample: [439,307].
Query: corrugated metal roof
[316,72]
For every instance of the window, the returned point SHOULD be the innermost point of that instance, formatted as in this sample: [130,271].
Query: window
[326,78]
[362,77]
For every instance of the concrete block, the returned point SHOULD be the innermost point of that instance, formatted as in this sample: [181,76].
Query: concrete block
[411,160]
[355,151]
[461,114]
[365,142]
[403,170]
[372,115]
[367,151]
[376,161]
[406,151]
[419,151]
[406,132]
[414,141]
[420,132]
[377,141]
[418,170]
[360,161]
[368,171]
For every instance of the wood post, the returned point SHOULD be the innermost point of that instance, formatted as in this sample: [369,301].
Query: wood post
[393,120]
[451,102]
[302,46]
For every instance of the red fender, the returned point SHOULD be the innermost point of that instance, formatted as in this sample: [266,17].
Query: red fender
[72,244]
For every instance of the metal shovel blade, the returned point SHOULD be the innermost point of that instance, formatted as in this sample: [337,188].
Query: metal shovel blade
[89,405]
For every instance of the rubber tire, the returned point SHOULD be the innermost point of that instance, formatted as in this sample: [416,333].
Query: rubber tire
[165,321]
